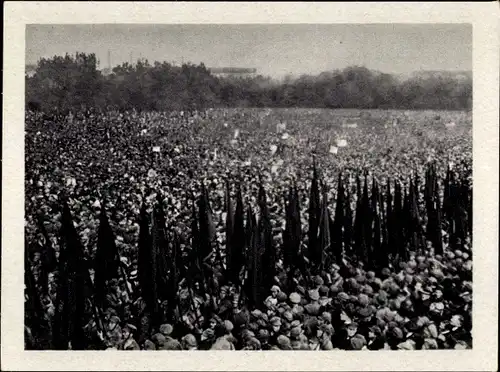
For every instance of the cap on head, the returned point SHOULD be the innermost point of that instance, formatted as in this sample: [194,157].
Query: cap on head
[158,339]
[376,330]
[357,342]
[295,332]
[130,327]
[256,313]
[363,299]
[166,329]
[323,290]
[397,333]
[342,296]
[327,317]
[313,295]
[283,340]
[365,312]
[294,298]
[189,340]
[318,280]
[288,316]
[263,334]
[281,296]
[275,321]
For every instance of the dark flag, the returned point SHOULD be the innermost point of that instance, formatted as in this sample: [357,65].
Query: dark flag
[314,216]
[147,265]
[296,223]
[379,256]
[269,257]
[433,208]
[33,310]
[206,225]
[414,226]
[397,223]
[348,226]
[406,229]
[195,255]
[73,289]
[229,224]
[160,250]
[174,277]
[388,225]
[253,287]
[374,199]
[469,212]
[438,224]
[47,256]
[447,193]
[364,224]
[359,240]
[288,252]
[461,212]
[237,257]
[338,224]
[324,240]
[106,260]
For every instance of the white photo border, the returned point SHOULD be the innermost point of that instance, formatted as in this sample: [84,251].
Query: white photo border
[484,16]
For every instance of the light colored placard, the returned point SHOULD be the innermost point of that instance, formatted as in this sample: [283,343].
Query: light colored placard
[483,16]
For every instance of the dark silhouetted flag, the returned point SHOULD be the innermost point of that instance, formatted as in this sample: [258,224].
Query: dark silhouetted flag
[253,287]
[288,253]
[160,250]
[195,254]
[397,220]
[269,257]
[324,240]
[348,226]
[206,224]
[147,264]
[106,259]
[33,311]
[237,258]
[314,216]
[229,224]
[337,235]
[47,256]
[406,229]
[359,219]
[367,217]
[73,289]
[389,215]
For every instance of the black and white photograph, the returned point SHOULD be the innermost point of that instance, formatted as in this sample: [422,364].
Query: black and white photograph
[249,187]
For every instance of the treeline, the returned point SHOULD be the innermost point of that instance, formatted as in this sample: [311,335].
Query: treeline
[73,82]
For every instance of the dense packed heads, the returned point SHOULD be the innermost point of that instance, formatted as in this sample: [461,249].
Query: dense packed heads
[191,218]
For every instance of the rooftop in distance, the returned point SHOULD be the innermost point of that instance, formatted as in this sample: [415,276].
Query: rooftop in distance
[232,70]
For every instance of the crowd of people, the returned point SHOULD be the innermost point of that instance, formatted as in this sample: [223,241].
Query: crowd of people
[126,159]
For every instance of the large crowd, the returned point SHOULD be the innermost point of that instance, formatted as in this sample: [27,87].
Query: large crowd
[423,302]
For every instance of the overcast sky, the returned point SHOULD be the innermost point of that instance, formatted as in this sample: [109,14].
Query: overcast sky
[272,49]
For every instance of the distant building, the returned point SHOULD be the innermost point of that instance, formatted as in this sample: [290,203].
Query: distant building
[233,71]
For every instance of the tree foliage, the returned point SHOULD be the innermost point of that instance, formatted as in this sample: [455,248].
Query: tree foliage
[74,82]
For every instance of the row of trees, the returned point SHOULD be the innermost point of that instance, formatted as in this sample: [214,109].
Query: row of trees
[71,82]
